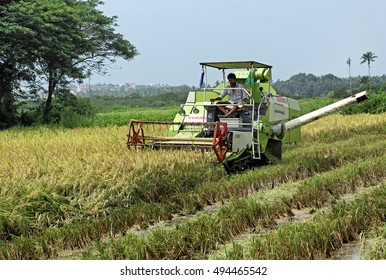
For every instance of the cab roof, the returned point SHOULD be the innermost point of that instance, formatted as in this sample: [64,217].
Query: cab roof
[236,64]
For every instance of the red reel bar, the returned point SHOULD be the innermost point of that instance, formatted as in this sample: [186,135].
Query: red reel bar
[220,145]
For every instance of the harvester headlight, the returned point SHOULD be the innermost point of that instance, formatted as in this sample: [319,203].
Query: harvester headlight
[195,110]
[182,111]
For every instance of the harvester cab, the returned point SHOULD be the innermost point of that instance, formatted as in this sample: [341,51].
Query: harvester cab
[253,135]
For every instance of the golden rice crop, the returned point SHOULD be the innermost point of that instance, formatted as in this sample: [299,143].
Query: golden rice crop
[337,125]
[90,168]
[57,177]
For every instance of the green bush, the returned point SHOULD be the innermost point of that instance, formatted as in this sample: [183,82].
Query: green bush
[376,104]
[134,100]
[67,110]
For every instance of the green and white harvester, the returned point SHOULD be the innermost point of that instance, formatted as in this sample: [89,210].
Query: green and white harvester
[252,136]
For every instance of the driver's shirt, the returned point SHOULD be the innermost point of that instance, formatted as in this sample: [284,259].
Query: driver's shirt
[235,94]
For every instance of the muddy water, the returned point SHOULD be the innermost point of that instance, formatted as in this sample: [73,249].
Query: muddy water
[349,251]
[354,250]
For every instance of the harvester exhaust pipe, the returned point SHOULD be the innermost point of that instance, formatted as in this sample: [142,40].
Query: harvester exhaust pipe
[279,129]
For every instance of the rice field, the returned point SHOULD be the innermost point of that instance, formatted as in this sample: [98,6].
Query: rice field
[81,194]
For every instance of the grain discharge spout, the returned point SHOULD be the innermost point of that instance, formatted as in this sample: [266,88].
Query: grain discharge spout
[279,129]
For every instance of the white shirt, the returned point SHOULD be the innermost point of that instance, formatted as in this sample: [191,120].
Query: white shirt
[235,94]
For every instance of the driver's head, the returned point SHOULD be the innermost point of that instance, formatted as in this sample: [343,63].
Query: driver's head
[232,79]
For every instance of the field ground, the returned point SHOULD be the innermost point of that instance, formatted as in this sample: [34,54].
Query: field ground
[81,194]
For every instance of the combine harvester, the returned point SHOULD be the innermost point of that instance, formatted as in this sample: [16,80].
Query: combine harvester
[252,136]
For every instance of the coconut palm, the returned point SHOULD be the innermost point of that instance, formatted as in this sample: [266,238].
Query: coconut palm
[368,57]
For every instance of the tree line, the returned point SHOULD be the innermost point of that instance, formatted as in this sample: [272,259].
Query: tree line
[48,43]
[122,90]
[308,85]
[68,109]
[108,103]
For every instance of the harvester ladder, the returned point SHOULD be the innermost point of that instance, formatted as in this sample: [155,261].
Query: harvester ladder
[256,144]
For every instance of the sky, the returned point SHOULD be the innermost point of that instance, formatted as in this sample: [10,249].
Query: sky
[294,36]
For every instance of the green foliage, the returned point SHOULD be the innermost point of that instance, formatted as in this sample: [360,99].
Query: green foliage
[365,81]
[107,103]
[368,57]
[340,93]
[121,90]
[56,41]
[308,105]
[67,110]
[307,85]
[7,109]
[124,117]
[374,105]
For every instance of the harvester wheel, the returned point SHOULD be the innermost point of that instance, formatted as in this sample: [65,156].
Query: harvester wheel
[220,138]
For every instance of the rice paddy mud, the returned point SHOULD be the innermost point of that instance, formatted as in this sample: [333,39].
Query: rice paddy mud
[81,194]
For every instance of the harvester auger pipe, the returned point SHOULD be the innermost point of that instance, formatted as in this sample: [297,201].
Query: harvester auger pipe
[280,129]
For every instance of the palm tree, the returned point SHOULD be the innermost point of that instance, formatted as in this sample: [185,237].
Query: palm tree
[368,57]
[365,81]
[349,72]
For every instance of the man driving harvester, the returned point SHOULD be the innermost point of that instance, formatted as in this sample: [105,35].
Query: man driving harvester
[236,94]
